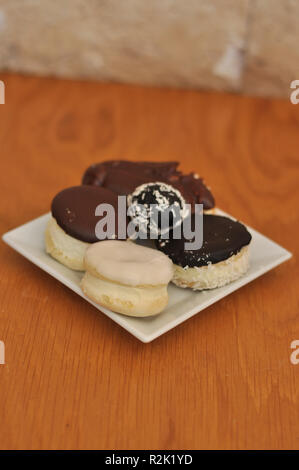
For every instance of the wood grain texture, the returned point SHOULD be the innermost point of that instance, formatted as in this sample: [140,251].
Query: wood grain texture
[73,379]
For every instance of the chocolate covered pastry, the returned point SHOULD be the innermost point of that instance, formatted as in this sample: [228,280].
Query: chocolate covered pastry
[123,177]
[72,227]
[223,257]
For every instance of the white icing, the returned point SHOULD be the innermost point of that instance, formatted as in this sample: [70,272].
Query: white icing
[129,264]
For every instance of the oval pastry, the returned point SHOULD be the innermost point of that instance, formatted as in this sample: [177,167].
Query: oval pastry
[72,227]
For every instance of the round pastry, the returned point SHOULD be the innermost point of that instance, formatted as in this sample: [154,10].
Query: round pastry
[150,201]
[127,278]
[223,257]
[72,227]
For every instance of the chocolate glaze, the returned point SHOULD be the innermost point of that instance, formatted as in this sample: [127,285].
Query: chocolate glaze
[123,176]
[147,171]
[74,210]
[222,238]
[193,189]
[117,181]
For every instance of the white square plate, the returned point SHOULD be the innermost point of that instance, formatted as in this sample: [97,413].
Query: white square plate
[28,239]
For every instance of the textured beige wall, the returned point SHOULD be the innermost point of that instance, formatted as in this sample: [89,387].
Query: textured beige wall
[241,45]
[273,47]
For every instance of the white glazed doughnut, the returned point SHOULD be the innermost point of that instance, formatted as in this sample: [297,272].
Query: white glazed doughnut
[127,278]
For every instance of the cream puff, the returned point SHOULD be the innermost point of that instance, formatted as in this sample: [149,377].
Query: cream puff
[127,278]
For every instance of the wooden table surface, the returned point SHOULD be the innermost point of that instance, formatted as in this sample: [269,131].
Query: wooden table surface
[73,379]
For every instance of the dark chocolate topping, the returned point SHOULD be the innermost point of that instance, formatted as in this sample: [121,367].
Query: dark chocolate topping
[122,177]
[222,238]
[74,210]
[194,190]
[119,182]
[139,172]
[157,198]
